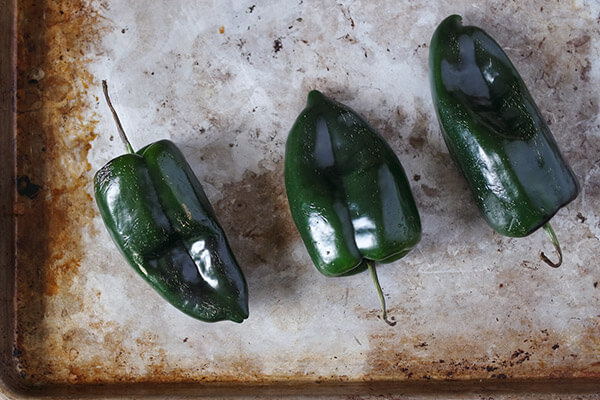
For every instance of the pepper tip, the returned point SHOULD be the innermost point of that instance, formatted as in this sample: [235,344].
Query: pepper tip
[239,315]
[454,20]
[314,96]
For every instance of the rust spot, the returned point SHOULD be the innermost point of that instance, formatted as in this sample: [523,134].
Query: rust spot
[346,13]
[430,191]
[585,70]
[416,142]
[580,41]
[397,356]
[221,29]
[19,209]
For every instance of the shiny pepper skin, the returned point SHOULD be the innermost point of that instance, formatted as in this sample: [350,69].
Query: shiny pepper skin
[159,217]
[495,132]
[348,193]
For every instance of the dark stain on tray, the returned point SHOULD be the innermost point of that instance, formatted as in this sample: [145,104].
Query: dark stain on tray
[255,214]
[27,188]
[391,356]
[277,45]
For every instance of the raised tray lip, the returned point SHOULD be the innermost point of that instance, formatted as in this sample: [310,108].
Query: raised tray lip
[8,26]
[330,389]
[11,388]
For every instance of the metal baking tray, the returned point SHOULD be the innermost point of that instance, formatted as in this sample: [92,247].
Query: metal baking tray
[477,313]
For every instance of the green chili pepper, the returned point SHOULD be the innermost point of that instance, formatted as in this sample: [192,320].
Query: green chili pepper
[347,191]
[160,219]
[496,134]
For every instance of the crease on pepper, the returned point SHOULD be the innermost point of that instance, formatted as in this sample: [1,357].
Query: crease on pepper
[347,191]
[159,217]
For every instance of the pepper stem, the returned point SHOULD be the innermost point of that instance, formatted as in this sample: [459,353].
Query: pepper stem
[116,118]
[554,240]
[373,273]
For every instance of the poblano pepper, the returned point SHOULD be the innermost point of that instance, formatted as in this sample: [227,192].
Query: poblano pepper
[159,217]
[347,191]
[496,134]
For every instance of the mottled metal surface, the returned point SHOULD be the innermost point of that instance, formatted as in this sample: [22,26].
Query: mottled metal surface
[225,81]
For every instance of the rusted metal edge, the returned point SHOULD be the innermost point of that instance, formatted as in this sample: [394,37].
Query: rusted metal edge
[570,387]
[8,26]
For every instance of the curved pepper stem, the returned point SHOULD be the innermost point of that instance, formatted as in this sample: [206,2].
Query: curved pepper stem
[116,118]
[552,236]
[373,273]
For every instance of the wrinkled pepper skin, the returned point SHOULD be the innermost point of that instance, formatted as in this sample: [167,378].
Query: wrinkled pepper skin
[495,132]
[159,217]
[347,191]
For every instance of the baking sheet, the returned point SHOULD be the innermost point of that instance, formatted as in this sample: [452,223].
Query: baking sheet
[225,81]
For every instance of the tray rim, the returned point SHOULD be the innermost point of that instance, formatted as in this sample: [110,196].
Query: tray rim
[8,37]
[329,389]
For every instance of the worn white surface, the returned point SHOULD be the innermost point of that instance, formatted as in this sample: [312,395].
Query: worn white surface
[469,302]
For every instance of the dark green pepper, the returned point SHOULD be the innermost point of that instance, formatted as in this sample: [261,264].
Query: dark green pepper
[347,191]
[496,134]
[160,219]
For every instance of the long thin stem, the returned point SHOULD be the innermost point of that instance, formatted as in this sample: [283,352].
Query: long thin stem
[373,272]
[550,232]
[116,118]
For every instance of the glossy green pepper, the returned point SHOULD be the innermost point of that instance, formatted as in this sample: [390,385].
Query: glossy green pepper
[158,215]
[347,191]
[496,134]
